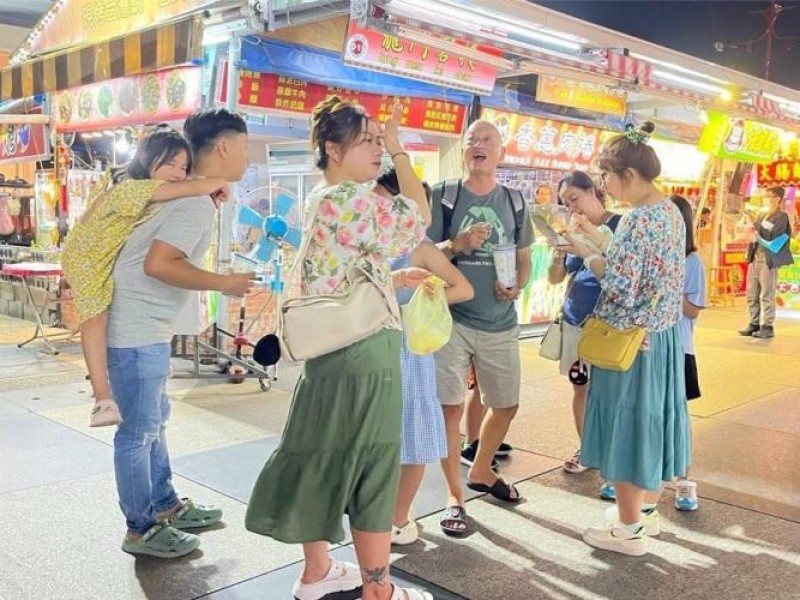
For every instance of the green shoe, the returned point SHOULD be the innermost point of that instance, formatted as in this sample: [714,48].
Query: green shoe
[194,516]
[162,541]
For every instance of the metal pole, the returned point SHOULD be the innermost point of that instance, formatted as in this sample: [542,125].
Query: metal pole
[719,213]
[226,214]
[772,17]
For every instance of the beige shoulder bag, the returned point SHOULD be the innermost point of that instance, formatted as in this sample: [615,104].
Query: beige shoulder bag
[315,325]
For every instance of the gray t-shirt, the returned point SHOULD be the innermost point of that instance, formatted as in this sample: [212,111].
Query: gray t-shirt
[484,312]
[144,310]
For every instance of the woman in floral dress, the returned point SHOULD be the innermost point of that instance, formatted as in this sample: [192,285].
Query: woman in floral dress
[340,449]
[636,428]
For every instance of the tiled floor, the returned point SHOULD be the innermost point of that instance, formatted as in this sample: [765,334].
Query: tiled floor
[62,527]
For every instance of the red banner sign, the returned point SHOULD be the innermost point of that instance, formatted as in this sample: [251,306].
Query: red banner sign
[544,143]
[784,173]
[23,143]
[268,91]
[379,51]
[168,95]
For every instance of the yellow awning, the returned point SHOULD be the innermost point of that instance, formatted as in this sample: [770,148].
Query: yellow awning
[149,50]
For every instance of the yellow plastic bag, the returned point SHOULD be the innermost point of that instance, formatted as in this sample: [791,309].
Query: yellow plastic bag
[426,318]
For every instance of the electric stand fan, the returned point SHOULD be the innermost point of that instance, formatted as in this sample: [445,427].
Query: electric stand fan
[278,229]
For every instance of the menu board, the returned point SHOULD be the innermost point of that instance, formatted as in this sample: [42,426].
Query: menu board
[272,92]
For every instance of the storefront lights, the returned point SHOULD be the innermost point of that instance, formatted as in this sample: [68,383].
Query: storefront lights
[692,83]
[678,68]
[122,145]
[487,25]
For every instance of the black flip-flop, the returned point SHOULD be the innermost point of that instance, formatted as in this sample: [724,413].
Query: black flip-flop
[499,489]
[454,514]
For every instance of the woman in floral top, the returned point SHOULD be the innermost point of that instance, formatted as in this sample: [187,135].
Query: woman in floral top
[636,428]
[340,450]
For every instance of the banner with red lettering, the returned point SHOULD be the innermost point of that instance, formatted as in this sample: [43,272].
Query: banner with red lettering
[388,53]
[784,172]
[271,92]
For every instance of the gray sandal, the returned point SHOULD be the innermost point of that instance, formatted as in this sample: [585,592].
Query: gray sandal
[162,541]
[454,521]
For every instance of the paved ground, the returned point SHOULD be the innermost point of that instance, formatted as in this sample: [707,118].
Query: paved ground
[62,528]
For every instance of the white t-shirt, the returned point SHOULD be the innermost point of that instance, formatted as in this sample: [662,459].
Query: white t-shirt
[694,290]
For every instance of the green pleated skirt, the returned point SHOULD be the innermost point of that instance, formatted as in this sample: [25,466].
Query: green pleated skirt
[340,449]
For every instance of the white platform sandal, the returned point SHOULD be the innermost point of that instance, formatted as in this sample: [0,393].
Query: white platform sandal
[409,594]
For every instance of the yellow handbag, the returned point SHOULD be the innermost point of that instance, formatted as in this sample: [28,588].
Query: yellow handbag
[601,345]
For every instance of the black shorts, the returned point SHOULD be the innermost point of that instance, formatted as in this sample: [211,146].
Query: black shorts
[690,370]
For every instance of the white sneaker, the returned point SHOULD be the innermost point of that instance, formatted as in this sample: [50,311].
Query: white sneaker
[341,577]
[616,540]
[403,536]
[686,495]
[651,522]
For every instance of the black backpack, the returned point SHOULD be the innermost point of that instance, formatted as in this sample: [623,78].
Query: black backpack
[451,190]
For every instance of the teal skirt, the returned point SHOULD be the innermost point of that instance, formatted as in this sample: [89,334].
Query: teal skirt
[340,449]
[636,427]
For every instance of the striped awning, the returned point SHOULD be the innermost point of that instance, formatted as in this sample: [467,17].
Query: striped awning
[149,50]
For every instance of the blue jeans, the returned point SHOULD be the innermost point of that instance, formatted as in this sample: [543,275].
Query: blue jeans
[141,459]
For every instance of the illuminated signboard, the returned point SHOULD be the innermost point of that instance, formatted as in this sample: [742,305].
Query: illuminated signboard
[579,94]
[544,143]
[379,51]
[739,139]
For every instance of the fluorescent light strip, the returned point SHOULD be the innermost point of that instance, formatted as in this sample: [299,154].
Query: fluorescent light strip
[463,51]
[566,40]
[677,68]
[490,24]
[698,85]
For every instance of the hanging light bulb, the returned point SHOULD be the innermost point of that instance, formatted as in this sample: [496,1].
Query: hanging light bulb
[123,144]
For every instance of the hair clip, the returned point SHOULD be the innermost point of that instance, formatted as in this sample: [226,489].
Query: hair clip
[634,136]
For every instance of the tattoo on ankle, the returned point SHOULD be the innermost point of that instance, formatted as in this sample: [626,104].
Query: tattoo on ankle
[377,575]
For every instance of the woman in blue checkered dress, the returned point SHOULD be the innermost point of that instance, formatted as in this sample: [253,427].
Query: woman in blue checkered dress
[423,437]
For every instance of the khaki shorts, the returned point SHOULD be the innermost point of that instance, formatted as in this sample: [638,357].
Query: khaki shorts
[497,366]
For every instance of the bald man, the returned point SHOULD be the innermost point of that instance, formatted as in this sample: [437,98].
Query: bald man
[470,218]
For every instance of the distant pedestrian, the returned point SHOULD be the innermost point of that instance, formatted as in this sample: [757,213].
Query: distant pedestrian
[766,254]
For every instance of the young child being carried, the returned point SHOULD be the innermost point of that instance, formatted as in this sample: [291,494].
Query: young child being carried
[157,173]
